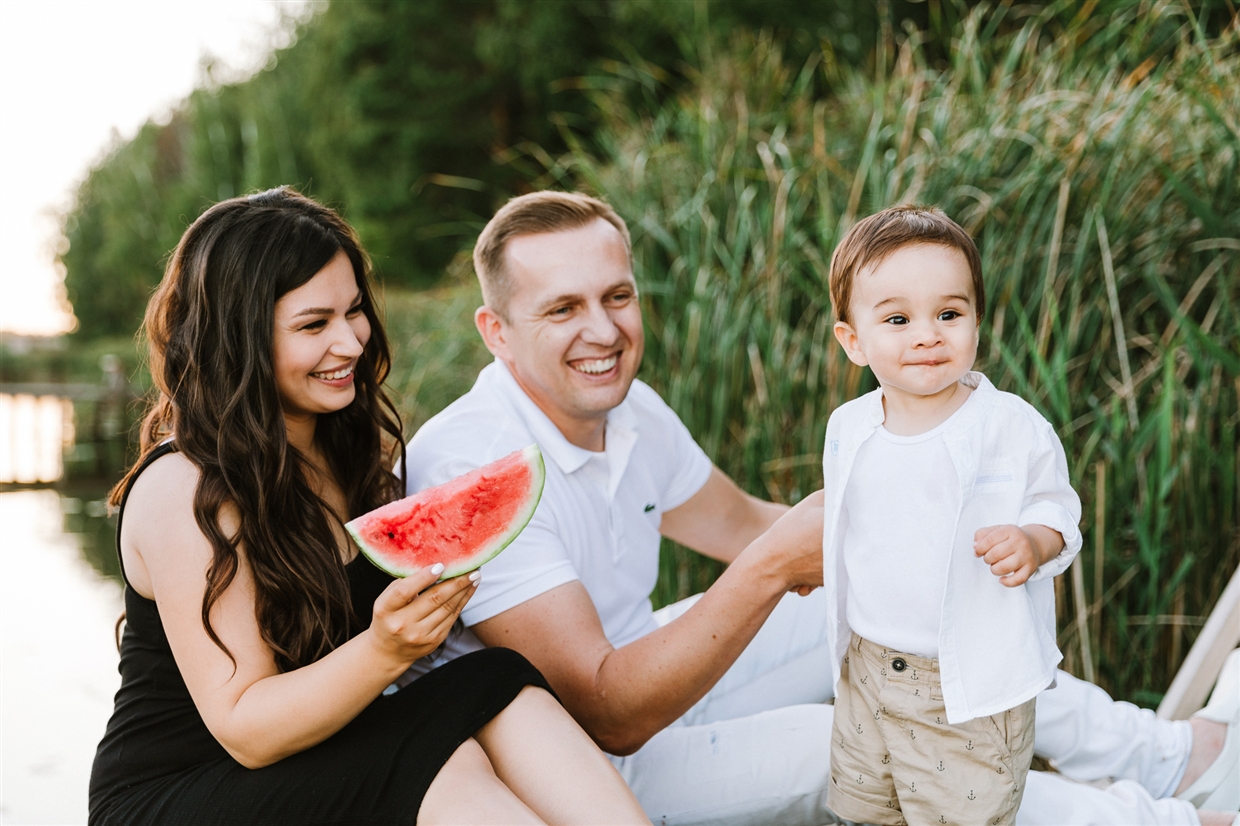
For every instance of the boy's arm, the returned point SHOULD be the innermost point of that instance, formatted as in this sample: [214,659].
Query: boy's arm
[1051,503]
[1045,538]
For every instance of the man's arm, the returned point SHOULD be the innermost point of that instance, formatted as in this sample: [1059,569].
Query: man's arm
[622,697]
[720,520]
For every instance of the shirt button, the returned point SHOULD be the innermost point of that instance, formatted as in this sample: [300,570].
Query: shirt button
[898,664]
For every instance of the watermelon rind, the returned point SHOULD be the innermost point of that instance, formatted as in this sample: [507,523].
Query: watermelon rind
[533,458]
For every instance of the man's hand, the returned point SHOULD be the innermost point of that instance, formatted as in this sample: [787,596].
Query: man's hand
[1014,553]
[794,544]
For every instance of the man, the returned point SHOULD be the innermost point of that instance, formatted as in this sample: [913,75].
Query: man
[715,708]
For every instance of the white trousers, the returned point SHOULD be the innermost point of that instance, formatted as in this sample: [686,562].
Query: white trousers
[756,749]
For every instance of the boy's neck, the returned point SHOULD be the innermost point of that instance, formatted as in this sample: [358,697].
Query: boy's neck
[907,414]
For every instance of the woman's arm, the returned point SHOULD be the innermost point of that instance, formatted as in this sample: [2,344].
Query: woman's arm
[258,714]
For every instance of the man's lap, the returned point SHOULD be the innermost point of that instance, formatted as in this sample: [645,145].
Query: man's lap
[785,664]
[756,747]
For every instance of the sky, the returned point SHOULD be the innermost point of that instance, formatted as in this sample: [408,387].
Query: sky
[76,76]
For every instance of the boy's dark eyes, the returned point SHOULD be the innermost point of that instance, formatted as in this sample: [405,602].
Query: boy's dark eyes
[896,319]
[950,315]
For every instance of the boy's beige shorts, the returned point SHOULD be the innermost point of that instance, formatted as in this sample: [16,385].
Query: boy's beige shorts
[895,759]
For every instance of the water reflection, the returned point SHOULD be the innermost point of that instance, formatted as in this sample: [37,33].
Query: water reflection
[58,654]
[36,431]
[60,597]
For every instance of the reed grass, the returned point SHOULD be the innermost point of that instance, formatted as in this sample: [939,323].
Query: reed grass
[1097,167]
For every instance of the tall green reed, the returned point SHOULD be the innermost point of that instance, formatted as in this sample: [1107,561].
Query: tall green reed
[1097,167]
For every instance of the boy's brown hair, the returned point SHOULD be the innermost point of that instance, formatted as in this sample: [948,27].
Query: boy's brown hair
[533,214]
[881,234]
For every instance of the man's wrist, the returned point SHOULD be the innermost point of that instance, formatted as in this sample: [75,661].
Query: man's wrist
[755,566]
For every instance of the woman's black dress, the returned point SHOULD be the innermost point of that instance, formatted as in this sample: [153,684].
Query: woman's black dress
[158,763]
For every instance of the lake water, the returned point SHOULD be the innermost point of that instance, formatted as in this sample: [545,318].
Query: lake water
[59,602]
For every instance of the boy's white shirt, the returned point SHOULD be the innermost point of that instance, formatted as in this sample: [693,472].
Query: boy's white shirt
[997,644]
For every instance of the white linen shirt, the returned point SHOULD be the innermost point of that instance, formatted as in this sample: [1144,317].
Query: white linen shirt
[599,516]
[997,644]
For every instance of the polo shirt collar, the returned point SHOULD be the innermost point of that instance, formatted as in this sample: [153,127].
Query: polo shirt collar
[621,427]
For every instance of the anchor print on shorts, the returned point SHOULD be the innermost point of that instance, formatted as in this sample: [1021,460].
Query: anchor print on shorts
[940,766]
[971,795]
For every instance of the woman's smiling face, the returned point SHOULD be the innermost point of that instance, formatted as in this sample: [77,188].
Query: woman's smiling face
[320,331]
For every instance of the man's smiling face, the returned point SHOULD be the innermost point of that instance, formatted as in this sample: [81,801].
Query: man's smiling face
[573,333]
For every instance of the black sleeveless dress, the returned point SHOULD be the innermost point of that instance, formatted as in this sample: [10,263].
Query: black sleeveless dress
[158,763]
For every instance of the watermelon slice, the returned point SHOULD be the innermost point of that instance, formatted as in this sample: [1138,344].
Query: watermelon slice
[462,523]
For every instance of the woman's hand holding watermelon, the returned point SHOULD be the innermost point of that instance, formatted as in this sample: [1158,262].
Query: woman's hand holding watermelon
[413,616]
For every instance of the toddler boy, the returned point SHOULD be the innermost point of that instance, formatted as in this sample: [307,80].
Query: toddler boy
[948,513]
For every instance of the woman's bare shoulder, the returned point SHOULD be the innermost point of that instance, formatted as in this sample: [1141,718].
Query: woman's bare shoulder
[159,528]
[169,481]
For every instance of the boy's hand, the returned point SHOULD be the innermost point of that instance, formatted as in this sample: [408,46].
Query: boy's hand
[1014,553]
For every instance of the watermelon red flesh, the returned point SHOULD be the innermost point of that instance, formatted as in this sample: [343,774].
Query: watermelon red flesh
[462,523]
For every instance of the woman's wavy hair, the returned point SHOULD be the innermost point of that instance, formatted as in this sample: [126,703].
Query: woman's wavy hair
[210,328]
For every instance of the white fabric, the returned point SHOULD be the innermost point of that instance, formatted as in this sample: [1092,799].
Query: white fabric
[996,644]
[1054,800]
[598,520]
[900,505]
[1089,737]
[756,748]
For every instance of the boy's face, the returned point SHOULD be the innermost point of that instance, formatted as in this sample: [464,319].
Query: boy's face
[913,321]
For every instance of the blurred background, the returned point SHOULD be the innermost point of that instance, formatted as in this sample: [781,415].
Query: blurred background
[1092,148]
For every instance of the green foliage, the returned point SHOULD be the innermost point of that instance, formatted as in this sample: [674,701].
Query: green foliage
[1097,166]
[394,111]
[436,352]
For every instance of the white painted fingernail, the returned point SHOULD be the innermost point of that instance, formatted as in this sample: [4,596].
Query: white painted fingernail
[475,576]
[437,568]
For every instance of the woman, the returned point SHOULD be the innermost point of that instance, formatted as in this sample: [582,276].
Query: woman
[258,645]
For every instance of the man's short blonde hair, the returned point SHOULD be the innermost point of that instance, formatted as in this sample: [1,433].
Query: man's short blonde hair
[878,236]
[533,214]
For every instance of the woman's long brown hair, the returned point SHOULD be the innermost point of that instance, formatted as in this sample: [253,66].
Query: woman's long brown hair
[210,328]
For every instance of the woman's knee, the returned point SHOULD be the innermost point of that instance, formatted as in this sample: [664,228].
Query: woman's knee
[532,706]
[467,790]
[468,764]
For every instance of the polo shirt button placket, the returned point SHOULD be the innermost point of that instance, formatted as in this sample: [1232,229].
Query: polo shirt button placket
[615,524]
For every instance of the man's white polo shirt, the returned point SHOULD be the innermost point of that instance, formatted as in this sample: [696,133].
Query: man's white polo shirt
[598,520]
